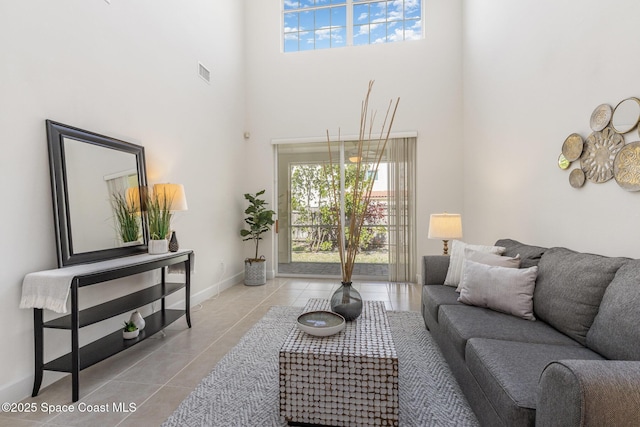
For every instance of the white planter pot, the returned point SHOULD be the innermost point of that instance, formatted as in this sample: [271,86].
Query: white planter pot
[255,272]
[158,246]
[130,335]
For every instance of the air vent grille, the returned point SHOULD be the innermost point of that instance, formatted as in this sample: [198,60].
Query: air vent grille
[204,72]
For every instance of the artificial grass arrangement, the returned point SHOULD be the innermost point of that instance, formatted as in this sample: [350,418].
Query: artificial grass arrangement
[159,215]
[127,217]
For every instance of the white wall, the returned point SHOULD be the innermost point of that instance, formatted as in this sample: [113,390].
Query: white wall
[533,73]
[127,70]
[303,94]
[489,136]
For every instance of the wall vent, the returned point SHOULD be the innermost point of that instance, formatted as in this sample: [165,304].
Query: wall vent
[204,72]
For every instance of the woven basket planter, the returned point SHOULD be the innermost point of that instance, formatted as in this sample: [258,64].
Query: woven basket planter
[255,272]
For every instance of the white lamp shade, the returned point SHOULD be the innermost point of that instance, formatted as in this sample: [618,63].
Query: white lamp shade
[174,194]
[445,226]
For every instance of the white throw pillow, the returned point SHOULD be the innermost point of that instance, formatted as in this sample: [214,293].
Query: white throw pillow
[454,272]
[488,259]
[508,290]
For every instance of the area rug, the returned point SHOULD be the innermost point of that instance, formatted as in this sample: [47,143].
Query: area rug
[242,390]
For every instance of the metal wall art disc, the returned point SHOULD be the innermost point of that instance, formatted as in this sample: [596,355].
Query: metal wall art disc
[563,163]
[572,147]
[601,117]
[626,167]
[600,150]
[626,115]
[576,178]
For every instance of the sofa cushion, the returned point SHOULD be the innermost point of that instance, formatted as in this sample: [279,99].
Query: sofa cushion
[508,373]
[615,332]
[529,255]
[457,257]
[463,322]
[505,289]
[433,296]
[570,287]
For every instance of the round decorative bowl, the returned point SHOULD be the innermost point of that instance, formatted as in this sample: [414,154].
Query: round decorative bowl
[321,323]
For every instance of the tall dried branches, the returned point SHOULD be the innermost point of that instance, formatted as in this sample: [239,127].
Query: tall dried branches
[369,153]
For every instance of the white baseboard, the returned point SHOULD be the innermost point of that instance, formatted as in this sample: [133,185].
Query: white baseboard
[211,291]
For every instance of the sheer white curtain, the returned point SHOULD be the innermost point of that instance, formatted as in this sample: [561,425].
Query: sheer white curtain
[401,153]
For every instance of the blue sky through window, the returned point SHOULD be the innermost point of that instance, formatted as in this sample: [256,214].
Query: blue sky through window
[322,24]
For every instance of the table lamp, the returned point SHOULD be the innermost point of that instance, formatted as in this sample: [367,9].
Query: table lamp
[445,226]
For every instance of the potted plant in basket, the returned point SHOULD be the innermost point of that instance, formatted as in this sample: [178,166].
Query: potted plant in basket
[259,219]
[346,301]
[158,208]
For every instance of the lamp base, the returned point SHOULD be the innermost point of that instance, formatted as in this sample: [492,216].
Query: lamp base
[445,249]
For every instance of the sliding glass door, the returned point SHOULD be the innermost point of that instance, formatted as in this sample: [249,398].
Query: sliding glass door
[307,236]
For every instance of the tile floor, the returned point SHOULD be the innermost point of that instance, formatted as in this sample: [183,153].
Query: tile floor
[157,374]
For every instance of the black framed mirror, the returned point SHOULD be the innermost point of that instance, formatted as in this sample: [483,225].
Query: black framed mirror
[98,186]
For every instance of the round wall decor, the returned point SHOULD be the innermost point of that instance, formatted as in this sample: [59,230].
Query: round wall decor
[572,147]
[600,150]
[626,167]
[601,117]
[576,178]
[563,163]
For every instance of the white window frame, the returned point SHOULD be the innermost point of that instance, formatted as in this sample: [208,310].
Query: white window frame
[349,4]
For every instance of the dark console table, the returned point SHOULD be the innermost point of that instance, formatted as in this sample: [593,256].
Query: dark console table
[82,357]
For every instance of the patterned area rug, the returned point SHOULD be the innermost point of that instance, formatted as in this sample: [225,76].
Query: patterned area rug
[242,390]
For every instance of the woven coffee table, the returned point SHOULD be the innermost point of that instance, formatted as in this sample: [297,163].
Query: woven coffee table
[348,379]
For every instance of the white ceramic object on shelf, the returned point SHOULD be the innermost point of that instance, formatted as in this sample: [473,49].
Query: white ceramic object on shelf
[157,247]
[130,335]
[321,323]
[138,320]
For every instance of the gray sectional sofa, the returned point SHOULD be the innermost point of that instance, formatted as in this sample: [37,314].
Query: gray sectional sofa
[577,364]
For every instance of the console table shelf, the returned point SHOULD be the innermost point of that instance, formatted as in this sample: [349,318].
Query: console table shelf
[115,307]
[82,357]
[113,343]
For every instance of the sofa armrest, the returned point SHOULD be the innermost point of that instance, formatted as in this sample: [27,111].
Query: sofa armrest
[434,269]
[589,393]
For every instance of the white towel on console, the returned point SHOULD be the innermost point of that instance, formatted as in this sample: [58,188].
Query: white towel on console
[47,289]
[50,289]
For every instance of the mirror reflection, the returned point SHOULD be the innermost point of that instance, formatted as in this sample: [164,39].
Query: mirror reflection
[96,182]
[102,208]
[626,115]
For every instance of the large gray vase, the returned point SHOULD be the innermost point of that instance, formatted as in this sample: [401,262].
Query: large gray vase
[347,302]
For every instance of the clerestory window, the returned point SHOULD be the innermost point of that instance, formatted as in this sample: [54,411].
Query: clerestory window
[323,24]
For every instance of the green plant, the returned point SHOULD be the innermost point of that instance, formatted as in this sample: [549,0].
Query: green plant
[130,326]
[159,216]
[126,215]
[259,219]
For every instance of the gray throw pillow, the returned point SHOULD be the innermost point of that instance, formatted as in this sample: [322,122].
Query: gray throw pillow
[529,254]
[504,289]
